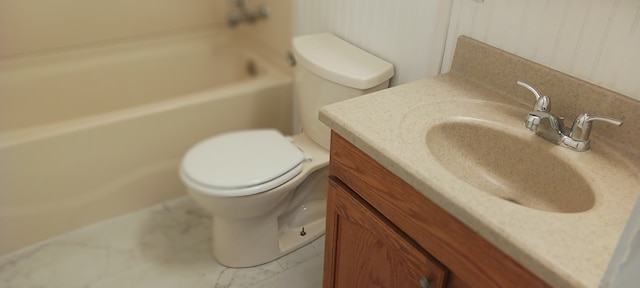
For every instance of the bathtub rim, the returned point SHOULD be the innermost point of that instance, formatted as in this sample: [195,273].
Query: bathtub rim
[19,136]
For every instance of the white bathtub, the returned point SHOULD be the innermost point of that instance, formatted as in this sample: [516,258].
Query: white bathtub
[93,133]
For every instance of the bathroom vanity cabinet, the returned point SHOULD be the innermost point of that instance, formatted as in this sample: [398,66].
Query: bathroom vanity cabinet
[381,232]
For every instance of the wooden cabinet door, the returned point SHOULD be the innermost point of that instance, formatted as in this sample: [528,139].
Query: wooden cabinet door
[363,249]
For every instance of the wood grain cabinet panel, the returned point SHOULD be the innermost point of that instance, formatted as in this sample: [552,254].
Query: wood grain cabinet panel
[372,252]
[381,232]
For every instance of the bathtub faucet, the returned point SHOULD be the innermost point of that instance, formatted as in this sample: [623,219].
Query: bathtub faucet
[245,14]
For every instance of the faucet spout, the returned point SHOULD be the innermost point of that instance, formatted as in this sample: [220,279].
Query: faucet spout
[546,124]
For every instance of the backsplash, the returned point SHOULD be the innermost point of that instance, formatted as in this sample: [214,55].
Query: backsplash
[570,96]
[598,41]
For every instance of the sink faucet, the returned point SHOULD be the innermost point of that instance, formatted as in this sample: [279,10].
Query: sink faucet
[551,127]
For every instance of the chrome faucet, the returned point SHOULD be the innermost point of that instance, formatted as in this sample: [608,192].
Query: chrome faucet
[245,14]
[551,127]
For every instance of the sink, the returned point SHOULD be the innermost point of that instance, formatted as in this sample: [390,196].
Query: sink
[508,166]
[486,146]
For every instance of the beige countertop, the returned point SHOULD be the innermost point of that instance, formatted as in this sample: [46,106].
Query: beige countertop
[564,249]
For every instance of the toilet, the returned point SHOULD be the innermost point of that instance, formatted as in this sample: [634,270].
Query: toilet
[266,192]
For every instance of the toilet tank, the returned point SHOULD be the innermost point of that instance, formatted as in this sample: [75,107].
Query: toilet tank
[330,70]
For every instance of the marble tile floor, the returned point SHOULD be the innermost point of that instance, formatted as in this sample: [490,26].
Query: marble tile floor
[164,246]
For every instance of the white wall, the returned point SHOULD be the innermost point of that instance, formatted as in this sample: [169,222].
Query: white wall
[408,33]
[625,263]
[594,40]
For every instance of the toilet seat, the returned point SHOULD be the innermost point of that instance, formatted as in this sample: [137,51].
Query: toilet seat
[242,163]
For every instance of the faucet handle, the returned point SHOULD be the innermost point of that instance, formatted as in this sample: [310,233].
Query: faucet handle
[581,127]
[543,103]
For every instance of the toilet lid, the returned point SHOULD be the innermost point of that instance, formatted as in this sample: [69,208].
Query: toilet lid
[238,160]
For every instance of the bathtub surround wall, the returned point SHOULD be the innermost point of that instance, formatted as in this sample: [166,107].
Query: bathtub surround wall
[44,26]
[155,70]
[272,35]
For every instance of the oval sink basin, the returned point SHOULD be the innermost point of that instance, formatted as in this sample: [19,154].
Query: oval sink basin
[508,165]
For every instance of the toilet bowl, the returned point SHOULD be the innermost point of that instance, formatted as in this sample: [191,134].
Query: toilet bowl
[266,192]
[258,216]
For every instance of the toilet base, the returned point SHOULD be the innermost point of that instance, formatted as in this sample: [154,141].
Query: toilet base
[242,243]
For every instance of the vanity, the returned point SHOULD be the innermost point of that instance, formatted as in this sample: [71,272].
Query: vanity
[438,183]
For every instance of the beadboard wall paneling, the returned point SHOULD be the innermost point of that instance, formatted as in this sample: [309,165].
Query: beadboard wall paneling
[595,40]
[410,34]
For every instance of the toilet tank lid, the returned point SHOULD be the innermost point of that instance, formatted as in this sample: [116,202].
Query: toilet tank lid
[339,61]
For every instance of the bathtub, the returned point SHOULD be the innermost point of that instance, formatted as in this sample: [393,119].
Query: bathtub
[99,131]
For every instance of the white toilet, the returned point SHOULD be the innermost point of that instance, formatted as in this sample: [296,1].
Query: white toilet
[266,192]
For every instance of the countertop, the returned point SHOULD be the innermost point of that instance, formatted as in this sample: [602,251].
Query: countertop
[564,249]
